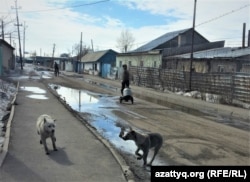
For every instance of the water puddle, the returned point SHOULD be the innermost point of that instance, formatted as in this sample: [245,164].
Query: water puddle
[38,93]
[97,109]
[39,97]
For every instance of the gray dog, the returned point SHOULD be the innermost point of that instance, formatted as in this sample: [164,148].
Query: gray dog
[144,142]
[46,129]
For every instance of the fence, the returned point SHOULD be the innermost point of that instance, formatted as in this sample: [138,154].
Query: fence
[229,85]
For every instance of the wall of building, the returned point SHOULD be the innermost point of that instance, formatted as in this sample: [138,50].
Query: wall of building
[7,58]
[204,65]
[146,60]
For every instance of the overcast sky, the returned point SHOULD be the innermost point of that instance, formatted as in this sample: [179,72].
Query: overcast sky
[61,22]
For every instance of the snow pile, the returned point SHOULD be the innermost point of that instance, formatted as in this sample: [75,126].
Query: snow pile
[7,92]
[213,98]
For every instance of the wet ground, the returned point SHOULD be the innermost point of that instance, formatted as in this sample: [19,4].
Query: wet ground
[98,109]
[189,138]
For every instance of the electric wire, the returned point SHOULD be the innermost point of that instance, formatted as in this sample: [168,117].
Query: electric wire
[56,9]
[225,14]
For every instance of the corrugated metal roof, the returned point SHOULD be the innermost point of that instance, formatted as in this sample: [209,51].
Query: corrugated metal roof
[93,56]
[160,40]
[225,52]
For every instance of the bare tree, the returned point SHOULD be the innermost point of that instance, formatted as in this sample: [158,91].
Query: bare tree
[76,50]
[125,41]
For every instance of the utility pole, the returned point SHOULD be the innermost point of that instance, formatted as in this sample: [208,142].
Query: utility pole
[24,29]
[2,31]
[192,49]
[53,53]
[80,54]
[92,45]
[243,35]
[20,50]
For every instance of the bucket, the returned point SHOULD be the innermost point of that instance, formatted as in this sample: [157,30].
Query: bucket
[127,91]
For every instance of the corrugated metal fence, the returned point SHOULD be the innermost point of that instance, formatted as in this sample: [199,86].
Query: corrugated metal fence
[229,85]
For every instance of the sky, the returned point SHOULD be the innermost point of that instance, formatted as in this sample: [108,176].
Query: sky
[61,22]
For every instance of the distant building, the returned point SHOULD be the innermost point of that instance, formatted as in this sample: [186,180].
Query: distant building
[169,44]
[99,62]
[224,59]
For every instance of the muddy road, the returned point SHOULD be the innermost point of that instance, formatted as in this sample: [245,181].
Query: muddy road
[188,139]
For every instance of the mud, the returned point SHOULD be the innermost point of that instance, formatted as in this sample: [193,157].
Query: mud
[188,139]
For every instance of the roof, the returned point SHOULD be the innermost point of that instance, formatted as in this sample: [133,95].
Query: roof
[225,52]
[6,44]
[160,40]
[94,56]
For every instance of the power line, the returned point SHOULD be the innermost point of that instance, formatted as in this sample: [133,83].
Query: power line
[225,14]
[73,6]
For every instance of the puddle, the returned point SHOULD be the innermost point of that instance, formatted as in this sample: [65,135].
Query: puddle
[35,90]
[79,100]
[99,108]
[40,97]
[38,93]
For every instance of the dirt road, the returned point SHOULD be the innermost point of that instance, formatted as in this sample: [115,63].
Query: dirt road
[188,139]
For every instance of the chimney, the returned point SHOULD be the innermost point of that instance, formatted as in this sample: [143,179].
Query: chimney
[243,36]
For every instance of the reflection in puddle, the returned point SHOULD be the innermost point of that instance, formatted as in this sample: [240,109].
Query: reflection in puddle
[79,100]
[107,127]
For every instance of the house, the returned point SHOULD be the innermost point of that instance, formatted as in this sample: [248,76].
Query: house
[224,59]
[138,59]
[169,44]
[7,58]
[99,62]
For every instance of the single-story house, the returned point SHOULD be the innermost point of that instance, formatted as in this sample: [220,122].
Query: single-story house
[225,59]
[7,58]
[169,44]
[143,59]
[99,62]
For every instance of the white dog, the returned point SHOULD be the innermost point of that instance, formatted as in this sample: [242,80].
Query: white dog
[46,129]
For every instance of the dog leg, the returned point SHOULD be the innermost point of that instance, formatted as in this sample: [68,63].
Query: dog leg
[138,154]
[53,139]
[157,148]
[45,146]
[145,155]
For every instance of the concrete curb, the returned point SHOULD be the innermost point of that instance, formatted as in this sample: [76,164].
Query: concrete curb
[128,174]
[8,128]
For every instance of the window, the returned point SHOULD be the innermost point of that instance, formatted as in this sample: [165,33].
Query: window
[129,63]
[220,68]
[154,64]
[141,63]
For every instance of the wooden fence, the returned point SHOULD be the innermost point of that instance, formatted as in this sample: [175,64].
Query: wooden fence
[229,85]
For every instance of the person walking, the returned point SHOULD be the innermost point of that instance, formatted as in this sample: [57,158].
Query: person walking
[56,69]
[125,78]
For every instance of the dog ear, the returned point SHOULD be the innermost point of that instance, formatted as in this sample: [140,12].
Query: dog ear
[132,132]
[54,120]
[44,120]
